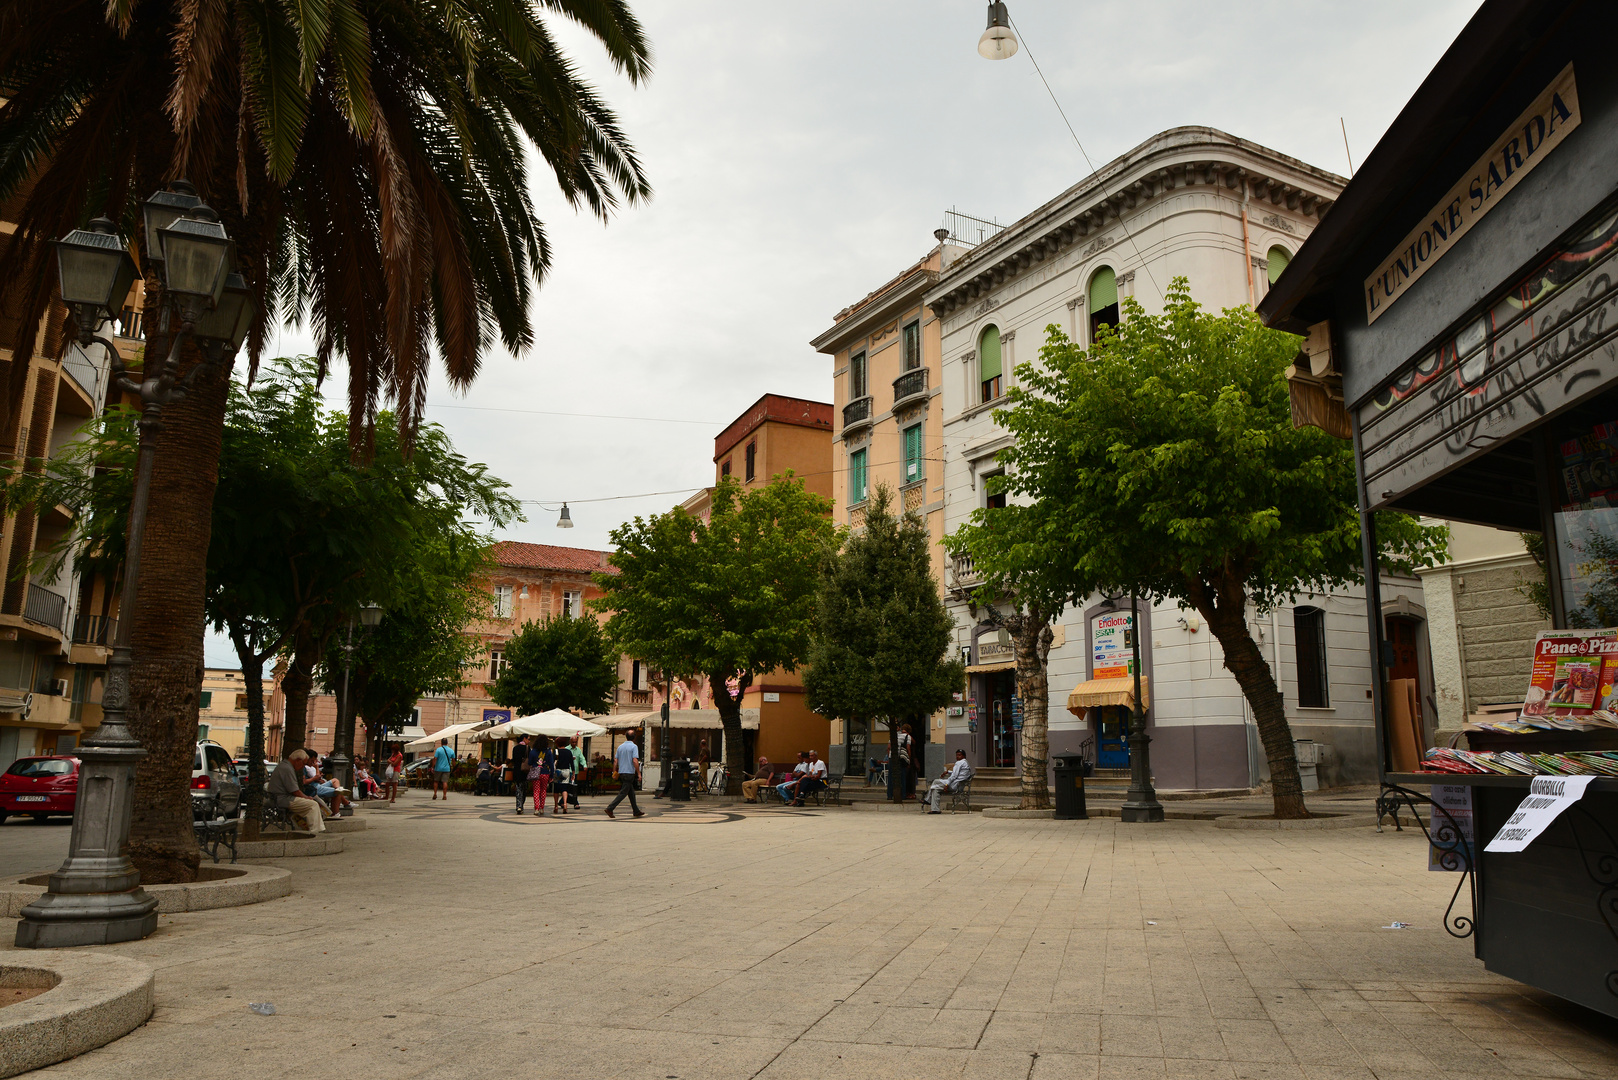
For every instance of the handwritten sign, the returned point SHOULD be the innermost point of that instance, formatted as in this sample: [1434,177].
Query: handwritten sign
[1538,131]
[1548,796]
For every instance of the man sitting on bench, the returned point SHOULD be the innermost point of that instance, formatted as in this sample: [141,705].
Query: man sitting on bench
[951,780]
[285,790]
[814,778]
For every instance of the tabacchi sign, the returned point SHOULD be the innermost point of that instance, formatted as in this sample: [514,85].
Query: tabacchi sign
[1536,133]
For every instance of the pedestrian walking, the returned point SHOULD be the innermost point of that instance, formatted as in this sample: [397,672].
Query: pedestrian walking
[517,771]
[395,772]
[562,773]
[627,760]
[904,777]
[580,766]
[443,761]
[542,764]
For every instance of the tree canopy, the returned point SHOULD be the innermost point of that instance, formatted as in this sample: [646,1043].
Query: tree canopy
[882,635]
[731,597]
[560,663]
[1164,461]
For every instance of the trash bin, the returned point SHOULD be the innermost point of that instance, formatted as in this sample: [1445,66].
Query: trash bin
[1070,788]
[680,780]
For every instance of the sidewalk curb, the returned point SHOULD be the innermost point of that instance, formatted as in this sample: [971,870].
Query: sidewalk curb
[93,999]
[221,887]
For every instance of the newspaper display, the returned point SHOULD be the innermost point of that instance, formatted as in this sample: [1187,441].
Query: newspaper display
[1458,852]
[1573,687]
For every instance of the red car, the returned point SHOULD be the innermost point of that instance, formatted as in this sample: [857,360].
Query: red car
[40,786]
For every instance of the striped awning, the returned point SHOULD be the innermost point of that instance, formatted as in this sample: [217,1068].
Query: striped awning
[1093,692]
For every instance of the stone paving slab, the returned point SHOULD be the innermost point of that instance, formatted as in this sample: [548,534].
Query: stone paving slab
[462,941]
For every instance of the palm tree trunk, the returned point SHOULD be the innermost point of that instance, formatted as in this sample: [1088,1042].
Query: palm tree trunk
[253,681]
[296,685]
[1244,661]
[168,627]
[1033,689]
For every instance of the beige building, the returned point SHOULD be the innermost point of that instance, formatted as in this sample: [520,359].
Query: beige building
[889,430]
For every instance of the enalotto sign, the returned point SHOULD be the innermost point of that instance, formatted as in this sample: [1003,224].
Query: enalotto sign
[1536,133]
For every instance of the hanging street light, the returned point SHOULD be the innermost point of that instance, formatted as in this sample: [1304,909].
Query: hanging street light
[566,520]
[95,897]
[998,42]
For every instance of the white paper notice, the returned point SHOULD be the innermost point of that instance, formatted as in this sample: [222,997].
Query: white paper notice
[1548,796]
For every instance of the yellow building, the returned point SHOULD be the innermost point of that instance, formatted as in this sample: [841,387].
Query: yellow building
[889,430]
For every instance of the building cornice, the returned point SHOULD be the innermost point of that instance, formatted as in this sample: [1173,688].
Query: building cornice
[1186,157]
[887,305]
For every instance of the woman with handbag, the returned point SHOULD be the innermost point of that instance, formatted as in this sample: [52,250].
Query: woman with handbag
[541,764]
[562,773]
[395,770]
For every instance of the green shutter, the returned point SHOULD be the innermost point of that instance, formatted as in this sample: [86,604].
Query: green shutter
[1103,290]
[205,700]
[856,476]
[1278,262]
[913,454]
[989,354]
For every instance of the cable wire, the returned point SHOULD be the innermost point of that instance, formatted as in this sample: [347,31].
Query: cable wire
[591,416]
[1144,265]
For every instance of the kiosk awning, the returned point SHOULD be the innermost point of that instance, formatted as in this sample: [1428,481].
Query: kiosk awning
[1093,692]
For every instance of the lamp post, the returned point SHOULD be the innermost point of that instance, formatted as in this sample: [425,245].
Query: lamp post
[95,897]
[1140,803]
[343,743]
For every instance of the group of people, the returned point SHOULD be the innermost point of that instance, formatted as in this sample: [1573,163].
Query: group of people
[302,786]
[545,768]
[806,778]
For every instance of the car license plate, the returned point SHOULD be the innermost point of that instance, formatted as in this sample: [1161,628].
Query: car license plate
[31,798]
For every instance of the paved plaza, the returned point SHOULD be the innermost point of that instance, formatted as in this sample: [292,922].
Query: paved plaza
[733,942]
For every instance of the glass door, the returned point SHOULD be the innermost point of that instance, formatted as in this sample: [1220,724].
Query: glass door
[1002,735]
[1112,736]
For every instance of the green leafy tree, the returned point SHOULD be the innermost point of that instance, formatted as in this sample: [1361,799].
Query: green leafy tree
[560,663]
[1022,596]
[1164,461]
[371,159]
[881,640]
[732,598]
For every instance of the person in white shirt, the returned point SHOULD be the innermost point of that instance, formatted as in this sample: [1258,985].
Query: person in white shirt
[951,780]
[814,778]
[787,788]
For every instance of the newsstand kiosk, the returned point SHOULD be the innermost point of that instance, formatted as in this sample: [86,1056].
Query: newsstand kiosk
[1460,310]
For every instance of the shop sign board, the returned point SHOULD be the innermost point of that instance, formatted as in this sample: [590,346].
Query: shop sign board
[1547,342]
[1111,644]
[1548,796]
[1529,141]
[1458,852]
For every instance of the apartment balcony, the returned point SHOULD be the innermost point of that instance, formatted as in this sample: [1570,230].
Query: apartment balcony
[912,385]
[45,608]
[964,571]
[95,630]
[84,373]
[640,697]
[856,415]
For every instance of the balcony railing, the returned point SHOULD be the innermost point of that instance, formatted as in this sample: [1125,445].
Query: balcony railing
[911,384]
[965,570]
[640,697]
[81,370]
[857,412]
[45,608]
[95,630]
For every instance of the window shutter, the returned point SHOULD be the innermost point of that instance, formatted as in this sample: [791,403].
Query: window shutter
[1278,262]
[856,476]
[1103,289]
[912,454]
[989,354]
[912,346]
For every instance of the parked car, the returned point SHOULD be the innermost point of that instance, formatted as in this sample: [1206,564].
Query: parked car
[40,787]
[216,791]
[418,773]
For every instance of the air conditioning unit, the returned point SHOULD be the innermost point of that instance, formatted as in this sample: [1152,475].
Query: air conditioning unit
[60,688]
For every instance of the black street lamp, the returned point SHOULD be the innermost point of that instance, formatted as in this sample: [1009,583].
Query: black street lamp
[343,744]
[1140,803]
[95,897]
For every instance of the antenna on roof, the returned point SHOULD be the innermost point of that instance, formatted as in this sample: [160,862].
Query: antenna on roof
[1345,147]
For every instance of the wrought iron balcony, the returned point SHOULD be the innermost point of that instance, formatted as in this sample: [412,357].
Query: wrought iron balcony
[45,608]
[911,384]
[857,413]
[95,630]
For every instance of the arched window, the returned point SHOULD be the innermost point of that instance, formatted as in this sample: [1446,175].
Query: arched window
[1279,257]
[1103,300]
[989,374]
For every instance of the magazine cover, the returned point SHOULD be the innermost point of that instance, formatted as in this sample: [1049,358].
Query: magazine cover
[1573,675]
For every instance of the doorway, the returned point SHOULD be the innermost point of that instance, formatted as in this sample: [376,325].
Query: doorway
[1001,687]
[1402,636]
[858,748]
[1112,736]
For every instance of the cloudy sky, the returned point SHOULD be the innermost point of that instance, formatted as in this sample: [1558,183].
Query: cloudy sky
[802,153]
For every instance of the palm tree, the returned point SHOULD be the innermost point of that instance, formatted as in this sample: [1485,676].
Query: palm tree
[371,160]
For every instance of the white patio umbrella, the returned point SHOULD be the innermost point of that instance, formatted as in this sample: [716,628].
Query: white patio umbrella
[556,723]
[452,732]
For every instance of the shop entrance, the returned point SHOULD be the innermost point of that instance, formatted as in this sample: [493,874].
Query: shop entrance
[1112,736]
[1001,687]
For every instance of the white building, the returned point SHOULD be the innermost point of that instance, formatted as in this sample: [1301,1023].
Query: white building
[1227,214]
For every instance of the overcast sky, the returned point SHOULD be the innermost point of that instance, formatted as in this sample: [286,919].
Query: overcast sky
[801,155]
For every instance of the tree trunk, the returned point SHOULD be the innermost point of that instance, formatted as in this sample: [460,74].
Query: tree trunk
[1243,660]
[1032,643]
[168,626]
[296,685]
[730,715]
[253,681]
